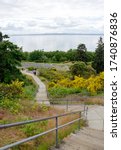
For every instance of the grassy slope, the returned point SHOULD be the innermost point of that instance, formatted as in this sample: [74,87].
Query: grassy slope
[29,109]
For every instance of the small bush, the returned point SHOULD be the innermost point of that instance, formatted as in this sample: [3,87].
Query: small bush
[29,88]
[31,68]
[29,92]
[32,129]
[40,107]
[11,91]
[95,84]
[13,105]
[52,75]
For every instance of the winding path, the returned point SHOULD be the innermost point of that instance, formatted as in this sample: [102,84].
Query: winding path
[88,138]
[41,95]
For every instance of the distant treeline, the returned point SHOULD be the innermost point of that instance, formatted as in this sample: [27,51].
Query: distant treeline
[58,56]
[95,58]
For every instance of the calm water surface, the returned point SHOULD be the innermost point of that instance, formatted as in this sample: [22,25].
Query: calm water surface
[55,42]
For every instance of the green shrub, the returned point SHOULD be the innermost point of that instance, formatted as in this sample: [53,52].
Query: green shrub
[29,92]
[81,69]
[31,68]
[13,105]
[52,74]
[44,107]
[29,88]
[40,107]
[32,129]
[57,92]
[11,91]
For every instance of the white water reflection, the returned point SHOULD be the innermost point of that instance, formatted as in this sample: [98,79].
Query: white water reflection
[55,42]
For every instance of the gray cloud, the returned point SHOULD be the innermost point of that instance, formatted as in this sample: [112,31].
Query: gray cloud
[12,27]
[40,16]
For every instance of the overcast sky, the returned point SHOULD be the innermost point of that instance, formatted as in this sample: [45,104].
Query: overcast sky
[51,16]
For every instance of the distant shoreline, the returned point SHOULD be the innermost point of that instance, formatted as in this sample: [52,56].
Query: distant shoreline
[101,34]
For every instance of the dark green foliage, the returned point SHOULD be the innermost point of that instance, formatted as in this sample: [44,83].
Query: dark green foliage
[72,55]
[37,56]
[81,51]
[90,56]
[81,69]
[25,55]
[3,36]
[10,58]
[98,63]
[58,56]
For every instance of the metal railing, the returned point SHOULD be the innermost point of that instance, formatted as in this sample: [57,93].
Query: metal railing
[65,102]
[57,127]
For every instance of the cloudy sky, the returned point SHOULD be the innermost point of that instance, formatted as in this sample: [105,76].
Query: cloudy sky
[51,16]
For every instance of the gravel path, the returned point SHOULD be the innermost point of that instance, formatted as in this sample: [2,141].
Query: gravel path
[41,95]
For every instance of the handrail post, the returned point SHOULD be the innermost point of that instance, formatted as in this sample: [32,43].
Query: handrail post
[103,125]
[57,145]
[79,120]
[86,112]
[84,107]
[67,105]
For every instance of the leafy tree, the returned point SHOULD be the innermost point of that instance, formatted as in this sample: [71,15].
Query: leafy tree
[59,56]
[81,52]
[90,56]
[36,56]
[98,63]
[81,69]
[10,58]
[25,56]
[72,55]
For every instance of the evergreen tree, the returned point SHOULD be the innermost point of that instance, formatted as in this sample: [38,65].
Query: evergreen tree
[98,63]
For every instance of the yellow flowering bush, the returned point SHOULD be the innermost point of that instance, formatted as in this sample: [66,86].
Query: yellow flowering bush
[65,83]
[95,83]
[92,84]
[12,90]
[78,82]
[51,84]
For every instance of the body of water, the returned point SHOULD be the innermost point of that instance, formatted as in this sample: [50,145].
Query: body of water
[55,42]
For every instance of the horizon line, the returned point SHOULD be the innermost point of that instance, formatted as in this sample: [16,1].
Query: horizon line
[26,34]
